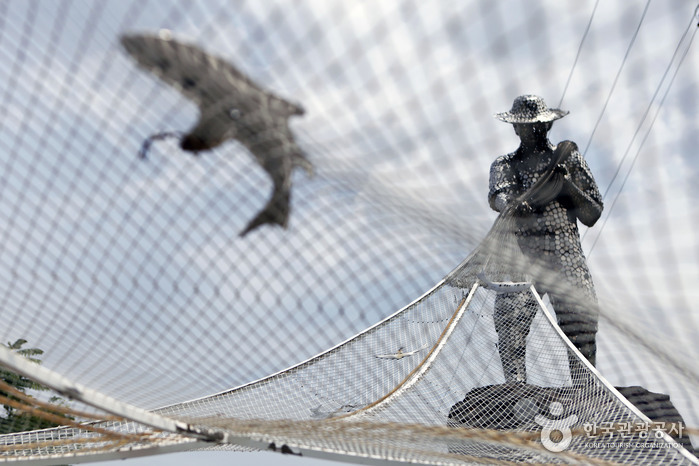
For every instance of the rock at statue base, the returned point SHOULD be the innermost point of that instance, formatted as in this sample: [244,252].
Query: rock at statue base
[659,408]
[509,406]
[515,405]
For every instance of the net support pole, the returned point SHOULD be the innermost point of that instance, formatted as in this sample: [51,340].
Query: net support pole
[424,366]
[605,383]
[75,391]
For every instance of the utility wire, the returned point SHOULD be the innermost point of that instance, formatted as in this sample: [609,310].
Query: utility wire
[577,55]
[650,126]
[616,78]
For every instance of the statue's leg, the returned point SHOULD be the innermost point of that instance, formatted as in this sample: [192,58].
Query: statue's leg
[579,322]
[577,311]
[513,316]
[562,273]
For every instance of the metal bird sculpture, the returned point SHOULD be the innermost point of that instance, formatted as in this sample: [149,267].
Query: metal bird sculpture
[503,287]
[400,354]
[231,106]
[319,413]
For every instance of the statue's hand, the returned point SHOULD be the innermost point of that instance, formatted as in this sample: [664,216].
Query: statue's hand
[562,170]
[523,209]
[560,180]
[560,174]
[555,185]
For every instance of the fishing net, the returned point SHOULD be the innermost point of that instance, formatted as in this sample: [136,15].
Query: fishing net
[128,282]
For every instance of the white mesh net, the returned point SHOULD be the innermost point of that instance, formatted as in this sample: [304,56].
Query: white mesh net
[132,277]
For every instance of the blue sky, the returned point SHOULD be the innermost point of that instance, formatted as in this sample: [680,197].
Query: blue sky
[130,273]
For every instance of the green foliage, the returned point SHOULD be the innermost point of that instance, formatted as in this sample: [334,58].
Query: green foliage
[13,420]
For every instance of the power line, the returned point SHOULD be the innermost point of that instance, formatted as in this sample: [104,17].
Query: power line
[618,74]
[577,55]
[650,126]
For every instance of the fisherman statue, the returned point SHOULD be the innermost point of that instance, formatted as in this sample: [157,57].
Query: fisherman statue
[546,231]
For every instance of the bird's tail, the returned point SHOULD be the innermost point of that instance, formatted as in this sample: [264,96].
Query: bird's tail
[276,211]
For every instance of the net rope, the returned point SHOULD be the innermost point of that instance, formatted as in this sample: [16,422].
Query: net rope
[131,274]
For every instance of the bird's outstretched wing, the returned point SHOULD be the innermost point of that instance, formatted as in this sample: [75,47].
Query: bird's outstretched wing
[400,354]
[203,78]
[390,356]
[503,287]
[410,353]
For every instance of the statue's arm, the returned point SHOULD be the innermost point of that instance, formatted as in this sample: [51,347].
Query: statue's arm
[500,201]
[501,185]
[580,191]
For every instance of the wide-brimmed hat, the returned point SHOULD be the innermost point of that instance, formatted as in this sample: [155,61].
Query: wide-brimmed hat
[530,109]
